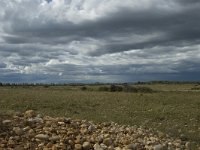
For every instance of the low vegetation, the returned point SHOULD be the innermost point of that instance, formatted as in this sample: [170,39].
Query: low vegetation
[173,110]
[126,88]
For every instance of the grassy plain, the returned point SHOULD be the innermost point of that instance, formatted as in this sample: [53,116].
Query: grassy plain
[174,110]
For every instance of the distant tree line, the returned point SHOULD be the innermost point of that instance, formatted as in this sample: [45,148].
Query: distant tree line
[126,88]
[100,84]
[167,82]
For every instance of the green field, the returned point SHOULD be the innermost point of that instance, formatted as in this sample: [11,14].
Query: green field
[173,109]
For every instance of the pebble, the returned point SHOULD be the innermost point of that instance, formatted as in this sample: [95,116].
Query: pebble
[86,145]
[78,146]
[35,120]
[6,122]
[132,146]
[54,138]
[11,142]
[30,114]
[159,147]
[97,147]
[103,146]
[33,131]
[183,137]
[91,128]
[107,141]
[42,137]
[26,128]
[18,130]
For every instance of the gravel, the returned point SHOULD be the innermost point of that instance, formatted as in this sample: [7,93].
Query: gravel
[28,130]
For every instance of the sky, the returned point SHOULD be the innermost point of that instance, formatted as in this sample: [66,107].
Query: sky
[66,41]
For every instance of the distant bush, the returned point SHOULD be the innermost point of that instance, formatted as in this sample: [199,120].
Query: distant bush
[128,88]
[125,88]
[139,89]
[83,88]
[195,88]
[46,86]
[143,89]
[103,88]
[116,88]
[111,88]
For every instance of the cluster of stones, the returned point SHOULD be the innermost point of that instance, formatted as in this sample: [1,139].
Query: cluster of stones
[31,131]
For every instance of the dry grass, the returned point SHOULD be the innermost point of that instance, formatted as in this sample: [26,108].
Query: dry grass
[171,112]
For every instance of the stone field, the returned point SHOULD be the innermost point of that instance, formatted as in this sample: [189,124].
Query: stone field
[29,131]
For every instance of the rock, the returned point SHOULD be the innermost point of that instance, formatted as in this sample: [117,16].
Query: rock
[78,140]
[26,128]
[190,145]
[183,137]
[106,135]
[42,137]
[39,116]
[19,147]
[55,147]
[30,114]
[111,147]
[6,122]
[17,138]
[67,120]
[177,144]
[35,120]
[118,148]
[107,141]
[41,145]
[78,146]
[132,146]
[18,131]
[91,128]
[18,114]
[71,143]
[161,134]
[54,138]
[31,131]
[49,145]
[103,146]
[187,145]
[97,147]
[159,147]
[86,145]
[11,143]
[2,145]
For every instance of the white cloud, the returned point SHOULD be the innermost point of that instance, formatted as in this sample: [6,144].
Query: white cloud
[91,37]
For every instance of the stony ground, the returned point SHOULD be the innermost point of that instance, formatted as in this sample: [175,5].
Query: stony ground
[32,131]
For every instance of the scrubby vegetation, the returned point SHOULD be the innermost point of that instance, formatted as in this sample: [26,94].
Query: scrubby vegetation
[172,109]
[126,88]
[196,87]
[83,88]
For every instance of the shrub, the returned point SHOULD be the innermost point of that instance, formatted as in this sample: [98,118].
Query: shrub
[139,89]
[45,86]
[195,88]
[125,88]
[103,88]
[84,88]
[144,89]
[115,88]
[128,88]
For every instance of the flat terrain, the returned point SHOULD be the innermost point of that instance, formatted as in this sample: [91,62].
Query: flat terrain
[173,109]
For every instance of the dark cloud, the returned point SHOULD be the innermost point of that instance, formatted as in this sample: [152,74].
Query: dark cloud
[176,27]
[2,65]
[107,40]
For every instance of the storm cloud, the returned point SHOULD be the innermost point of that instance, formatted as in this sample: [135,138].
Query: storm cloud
[99,41]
